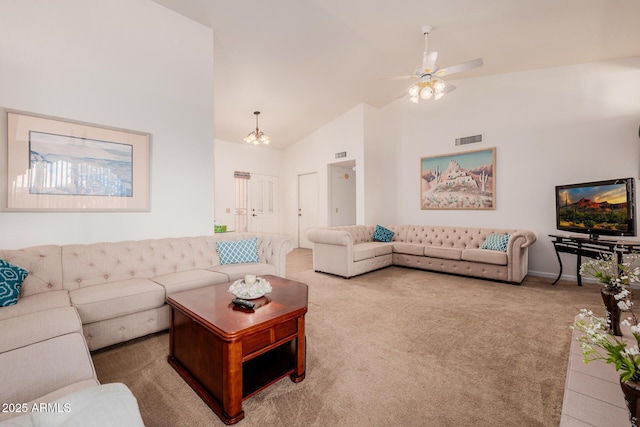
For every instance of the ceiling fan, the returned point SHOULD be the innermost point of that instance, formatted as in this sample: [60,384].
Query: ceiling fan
[429,74]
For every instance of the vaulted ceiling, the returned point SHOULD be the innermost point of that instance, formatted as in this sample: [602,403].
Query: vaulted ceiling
[303,63]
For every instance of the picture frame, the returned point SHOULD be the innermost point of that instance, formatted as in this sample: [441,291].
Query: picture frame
[464,180]
[61,165]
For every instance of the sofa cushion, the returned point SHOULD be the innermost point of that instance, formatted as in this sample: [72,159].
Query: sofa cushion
[496,242]
[382,234]
[371,249]
[440,252]
[104,405]
[36,302]
[44,367]
[49,397]
[485,256]
[408,248]
[237,271]
[31,328]
[11,278]
[185,280]
[116,299]
[238,252]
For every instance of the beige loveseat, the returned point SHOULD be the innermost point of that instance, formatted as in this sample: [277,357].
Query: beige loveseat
[350,250]
[78,298]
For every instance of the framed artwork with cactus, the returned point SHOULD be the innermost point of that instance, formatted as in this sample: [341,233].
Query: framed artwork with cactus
[465,180]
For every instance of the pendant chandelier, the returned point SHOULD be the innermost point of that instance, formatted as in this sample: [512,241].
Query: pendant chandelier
[256,137]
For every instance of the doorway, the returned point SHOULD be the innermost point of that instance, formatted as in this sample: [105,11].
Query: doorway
[307,207]
[342,193]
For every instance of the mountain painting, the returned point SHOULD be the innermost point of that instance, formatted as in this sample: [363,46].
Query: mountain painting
[70,165]
[458,181]
[601,207]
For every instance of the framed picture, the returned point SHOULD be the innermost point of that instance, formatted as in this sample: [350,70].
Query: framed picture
[459,180]
[57,164]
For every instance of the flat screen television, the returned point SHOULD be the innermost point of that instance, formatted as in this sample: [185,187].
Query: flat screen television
[597,208]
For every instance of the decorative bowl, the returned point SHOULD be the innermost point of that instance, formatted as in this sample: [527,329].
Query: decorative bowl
[245,291]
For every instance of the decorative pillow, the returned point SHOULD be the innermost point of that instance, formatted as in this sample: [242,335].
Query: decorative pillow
[496,242]
[238,252]
[11,278]
[382,234]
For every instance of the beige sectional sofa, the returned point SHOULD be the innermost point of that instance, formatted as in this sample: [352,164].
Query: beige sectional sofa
[350,250]
[79,298]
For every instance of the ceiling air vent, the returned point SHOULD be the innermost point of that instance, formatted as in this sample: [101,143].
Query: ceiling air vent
[341,154]
[469,140]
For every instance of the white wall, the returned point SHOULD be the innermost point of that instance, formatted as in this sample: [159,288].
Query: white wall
[231,157]
[550,127]
[130,64]
[381,184]
[313,154]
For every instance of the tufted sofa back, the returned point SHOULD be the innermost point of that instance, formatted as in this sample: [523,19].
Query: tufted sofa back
[92,264]
[441,236]
[451,237]
[43,263]
[364,233]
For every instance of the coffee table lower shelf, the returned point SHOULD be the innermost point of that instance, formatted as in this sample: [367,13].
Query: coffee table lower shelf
[258,373]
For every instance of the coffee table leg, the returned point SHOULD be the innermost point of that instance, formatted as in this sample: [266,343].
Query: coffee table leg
[301,356]
[232,381]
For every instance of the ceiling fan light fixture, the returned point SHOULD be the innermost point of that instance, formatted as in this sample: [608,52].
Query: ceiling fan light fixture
[426,92]
[438,85]
[257,137]
[429,85]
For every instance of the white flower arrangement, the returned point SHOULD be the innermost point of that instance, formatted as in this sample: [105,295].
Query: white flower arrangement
[243,290]
[613,275]
[597,344]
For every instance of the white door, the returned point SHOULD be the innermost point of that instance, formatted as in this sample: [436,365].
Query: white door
[264,204]
[307,207]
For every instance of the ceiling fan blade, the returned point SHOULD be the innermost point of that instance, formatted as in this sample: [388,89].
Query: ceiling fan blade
[429,62]
[448,87]
[398,77]
[460,67]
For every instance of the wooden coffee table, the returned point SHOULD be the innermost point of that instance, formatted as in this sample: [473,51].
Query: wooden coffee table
[228,354]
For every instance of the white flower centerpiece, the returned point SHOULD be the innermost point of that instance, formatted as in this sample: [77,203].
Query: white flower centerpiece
[251,287]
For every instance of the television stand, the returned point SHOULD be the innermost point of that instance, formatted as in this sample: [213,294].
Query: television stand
[590,248]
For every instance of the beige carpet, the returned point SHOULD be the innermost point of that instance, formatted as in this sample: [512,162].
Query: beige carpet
[395,347]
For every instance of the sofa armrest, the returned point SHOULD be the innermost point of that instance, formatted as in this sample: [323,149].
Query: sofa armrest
[518,254]
[521,239]
[330,236]
[273,249]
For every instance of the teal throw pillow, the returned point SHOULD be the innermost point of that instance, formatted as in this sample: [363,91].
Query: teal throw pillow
[382,234]
[11,278]
[238,252]
[496,242]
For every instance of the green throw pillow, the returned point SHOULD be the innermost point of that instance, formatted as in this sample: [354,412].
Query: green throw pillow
[496,242]
[382,234]
[11,278]
[238,252]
